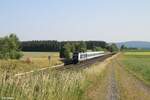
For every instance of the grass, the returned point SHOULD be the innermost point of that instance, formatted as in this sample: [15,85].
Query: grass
[139,50]
[139,64]
[53,85]
[137,53]
[130,88]
[39,60]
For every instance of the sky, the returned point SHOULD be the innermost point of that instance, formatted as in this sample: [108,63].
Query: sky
[107,20]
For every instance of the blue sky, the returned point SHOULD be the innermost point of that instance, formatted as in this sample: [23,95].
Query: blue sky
[108,20]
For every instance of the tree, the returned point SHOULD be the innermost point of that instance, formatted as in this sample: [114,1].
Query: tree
[9,47]
[92,44]
[42,45]
[67,51]
[113,48]
[98,49]
[81,47]
[123,47]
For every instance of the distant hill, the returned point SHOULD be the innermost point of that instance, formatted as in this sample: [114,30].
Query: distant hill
[135,44]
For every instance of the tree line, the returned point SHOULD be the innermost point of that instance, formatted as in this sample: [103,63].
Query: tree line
[11,47]
[64,47]
[53,45]
[42,46]
[69,47]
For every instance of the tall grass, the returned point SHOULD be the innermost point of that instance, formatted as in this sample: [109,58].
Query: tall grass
[55,86]
[52,85]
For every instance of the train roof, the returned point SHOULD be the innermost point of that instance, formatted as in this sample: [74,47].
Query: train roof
[92,52]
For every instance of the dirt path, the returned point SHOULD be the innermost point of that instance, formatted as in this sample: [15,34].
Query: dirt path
[119,84]
[107,89]
[112,88]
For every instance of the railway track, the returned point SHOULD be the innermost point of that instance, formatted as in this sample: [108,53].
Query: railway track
[83,64]
[62,67]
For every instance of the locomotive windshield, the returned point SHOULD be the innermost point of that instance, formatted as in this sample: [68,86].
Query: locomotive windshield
[75,57]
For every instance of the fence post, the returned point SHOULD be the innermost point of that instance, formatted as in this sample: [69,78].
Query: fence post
[49,58]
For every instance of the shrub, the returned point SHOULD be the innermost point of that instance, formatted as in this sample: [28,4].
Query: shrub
[9,47]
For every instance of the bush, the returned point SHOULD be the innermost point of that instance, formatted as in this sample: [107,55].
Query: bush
[15,54]
[9,47]
[98,49]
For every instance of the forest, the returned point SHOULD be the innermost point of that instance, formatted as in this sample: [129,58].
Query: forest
[54,45]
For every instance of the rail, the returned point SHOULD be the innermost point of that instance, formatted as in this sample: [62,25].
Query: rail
[61,67]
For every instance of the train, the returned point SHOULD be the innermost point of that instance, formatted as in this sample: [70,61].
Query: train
[82,56]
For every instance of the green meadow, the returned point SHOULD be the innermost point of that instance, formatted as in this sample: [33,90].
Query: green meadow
[138,63]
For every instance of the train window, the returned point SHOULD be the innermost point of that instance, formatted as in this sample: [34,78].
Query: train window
[82,56]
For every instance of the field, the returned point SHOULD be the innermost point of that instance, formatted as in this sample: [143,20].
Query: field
[37,60]
[138,63]
[53,85]
[124,76]
[41,58]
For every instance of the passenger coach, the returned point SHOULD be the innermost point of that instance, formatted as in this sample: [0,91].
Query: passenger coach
[78,57]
